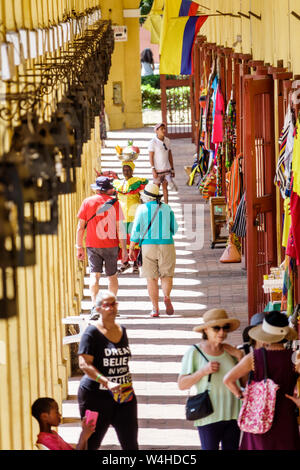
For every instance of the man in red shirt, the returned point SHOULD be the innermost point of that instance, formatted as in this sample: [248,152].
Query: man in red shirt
[104,232]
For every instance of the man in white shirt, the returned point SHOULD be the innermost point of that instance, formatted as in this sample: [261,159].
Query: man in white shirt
[161,159]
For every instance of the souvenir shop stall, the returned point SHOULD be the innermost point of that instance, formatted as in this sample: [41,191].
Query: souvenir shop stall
[217,169]
[247,167]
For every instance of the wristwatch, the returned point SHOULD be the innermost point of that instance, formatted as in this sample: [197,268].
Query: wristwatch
[153,167]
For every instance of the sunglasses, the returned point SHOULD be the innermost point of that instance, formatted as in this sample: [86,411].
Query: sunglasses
[224,328]
[165,147]
[107,304]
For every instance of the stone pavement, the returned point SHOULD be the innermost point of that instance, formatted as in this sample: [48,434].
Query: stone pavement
[158,344]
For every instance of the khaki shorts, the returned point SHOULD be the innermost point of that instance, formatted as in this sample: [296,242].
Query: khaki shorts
[158,261]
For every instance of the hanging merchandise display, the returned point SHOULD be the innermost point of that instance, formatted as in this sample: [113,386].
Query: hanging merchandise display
[287,178]
[230,132]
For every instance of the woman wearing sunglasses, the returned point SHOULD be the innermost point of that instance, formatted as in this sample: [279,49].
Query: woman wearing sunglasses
[220,427]
[106,387]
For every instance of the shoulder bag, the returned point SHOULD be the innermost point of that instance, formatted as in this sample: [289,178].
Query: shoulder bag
[199,406]
[257,412]
[139,259]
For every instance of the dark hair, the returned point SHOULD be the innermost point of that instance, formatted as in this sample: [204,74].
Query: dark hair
[41,405]
[147,56]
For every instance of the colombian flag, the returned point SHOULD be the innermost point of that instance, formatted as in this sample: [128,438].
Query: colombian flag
[178,41]
[187,8]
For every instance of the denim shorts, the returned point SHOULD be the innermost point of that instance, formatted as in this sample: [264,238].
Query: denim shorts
[99,256]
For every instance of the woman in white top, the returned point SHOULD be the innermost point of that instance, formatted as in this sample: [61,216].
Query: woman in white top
[147,62]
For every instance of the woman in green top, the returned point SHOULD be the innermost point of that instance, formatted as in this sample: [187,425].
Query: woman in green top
[220,426]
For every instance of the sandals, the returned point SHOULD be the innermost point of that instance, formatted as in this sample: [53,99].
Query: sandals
[135,269]
[124,267]
[169,306]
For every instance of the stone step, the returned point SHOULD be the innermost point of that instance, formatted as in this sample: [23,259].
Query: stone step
[182,308]
[149,438]
[136,293]
[157,412]
[148,388]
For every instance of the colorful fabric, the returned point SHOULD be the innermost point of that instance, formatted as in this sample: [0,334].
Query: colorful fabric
[296,160]
[287,301]
[219,169]
[257,412]
[129,195]
[218,133]
[295,225]
[287,222]
[230,133]
[284,433]
[234,187]
[53,441]
[178,43]
[101,231]
[239,225]
[286,142]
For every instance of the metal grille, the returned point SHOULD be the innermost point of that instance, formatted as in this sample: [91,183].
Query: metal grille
[176,106]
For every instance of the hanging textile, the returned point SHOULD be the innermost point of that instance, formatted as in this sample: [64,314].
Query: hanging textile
[239,225]
[286,143]
[217,134]
[230,132]
[296,160]
[234,187]
[288,297]
[219,169]
[287,222]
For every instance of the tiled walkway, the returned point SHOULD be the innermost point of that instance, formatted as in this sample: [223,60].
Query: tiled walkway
[201,282]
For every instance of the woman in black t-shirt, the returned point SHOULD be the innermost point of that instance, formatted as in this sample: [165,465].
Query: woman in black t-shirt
[106,386]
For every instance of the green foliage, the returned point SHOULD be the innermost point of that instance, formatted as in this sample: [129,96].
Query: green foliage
[145,7]
[152,80]
[180,97]
[150,97]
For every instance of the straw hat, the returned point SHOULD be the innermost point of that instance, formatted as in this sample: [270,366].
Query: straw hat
[273,329]
[255,320]
[217,317]
[151,191]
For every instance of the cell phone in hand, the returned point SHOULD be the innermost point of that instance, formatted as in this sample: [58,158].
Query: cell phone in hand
[91,416]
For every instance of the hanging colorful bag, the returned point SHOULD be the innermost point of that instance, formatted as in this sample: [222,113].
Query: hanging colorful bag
[209,186]
[257,412]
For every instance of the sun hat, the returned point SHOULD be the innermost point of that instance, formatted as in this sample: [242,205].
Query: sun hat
[102,183]
[151,191]
[274,328]
[217,317]
[159,125]
[255,320]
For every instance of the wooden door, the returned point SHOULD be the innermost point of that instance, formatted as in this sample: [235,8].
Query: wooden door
[259,152]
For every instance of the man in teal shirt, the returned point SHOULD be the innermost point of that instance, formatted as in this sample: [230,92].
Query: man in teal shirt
[157,245]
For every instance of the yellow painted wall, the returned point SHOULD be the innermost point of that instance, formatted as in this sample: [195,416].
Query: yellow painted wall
[273,38]
[33,360]
[125,68]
